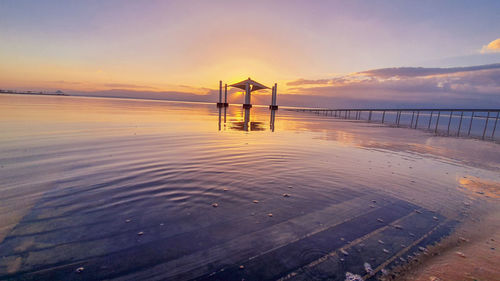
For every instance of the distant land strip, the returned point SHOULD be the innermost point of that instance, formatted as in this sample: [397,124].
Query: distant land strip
[56,93]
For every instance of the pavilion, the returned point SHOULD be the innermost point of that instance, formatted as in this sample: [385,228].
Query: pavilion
[249,86]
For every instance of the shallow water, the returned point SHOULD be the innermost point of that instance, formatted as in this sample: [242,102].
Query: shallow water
[126,189]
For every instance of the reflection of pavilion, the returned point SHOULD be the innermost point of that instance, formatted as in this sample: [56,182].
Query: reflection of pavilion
[246,124]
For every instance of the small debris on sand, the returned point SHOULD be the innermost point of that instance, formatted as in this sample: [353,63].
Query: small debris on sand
[80,269]
[374,201]
[269,215]
[344,252]
[242,266]
[418,211]
[215,205]
[140,233]
[422,249]
[290,186]
[460,254]
[411,234]
[397,226]
[371,206]
[368,268]
[381,242]
[435,218]
[380,220]
[127,220]
[286,195]
[463,239]
[256,201]
[385,251]
[225,189]
[352,277]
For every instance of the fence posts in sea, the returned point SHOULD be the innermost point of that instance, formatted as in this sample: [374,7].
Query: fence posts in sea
[403,119]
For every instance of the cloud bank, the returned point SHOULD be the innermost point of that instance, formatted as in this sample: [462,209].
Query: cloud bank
[474,86]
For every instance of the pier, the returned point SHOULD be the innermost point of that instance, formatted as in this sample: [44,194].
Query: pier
[477,123]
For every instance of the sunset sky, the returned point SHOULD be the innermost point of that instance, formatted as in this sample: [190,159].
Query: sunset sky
[335,50]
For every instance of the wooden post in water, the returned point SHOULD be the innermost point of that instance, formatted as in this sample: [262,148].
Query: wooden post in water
[412,116]
[494,127]
[430,120]
[220,104]
[460,124]
[225,96]
[416,121]
[470,124]
[383,117]
[486,124]
[449,122]
[437,122]
[274,94]
[370,116]
[220,91]
[398,117]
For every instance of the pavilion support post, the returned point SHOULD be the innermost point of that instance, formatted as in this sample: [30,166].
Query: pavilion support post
[225,96]
[220,104]
[220,91]
[273,97]
[247,96]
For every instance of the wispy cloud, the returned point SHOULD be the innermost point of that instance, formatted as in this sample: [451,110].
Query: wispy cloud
[129,86]
[492,47]
[399,72]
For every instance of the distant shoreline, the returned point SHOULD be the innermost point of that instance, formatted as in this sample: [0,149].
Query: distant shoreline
[58,93]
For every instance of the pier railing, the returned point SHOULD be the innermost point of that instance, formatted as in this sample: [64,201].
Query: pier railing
[478,123]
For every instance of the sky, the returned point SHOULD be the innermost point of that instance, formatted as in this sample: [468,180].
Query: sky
[319,52]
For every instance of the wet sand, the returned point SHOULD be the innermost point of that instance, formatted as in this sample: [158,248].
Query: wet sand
[472,252]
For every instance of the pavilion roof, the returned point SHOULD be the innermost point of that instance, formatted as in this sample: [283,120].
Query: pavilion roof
[255,85]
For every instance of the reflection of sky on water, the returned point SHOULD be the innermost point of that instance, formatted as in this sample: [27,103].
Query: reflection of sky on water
[95,163]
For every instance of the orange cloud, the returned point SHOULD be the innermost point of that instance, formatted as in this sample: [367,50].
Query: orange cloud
[492,47]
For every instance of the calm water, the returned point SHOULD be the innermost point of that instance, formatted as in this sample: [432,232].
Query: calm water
[94,188]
